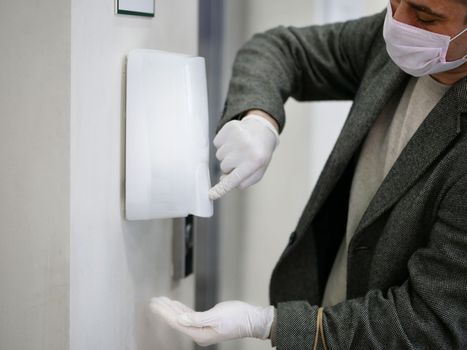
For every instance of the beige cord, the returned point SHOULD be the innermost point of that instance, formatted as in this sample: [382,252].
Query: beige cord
[319,330]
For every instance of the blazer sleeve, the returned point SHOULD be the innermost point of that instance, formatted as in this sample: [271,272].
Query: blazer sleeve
[428,311]
[309,63]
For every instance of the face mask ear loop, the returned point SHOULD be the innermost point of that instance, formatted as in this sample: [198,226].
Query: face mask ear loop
[458,35]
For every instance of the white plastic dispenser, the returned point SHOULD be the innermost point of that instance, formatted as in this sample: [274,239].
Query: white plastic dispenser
[167,136]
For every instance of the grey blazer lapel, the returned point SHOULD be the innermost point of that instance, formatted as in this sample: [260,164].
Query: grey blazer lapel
[434,135]
[368,105]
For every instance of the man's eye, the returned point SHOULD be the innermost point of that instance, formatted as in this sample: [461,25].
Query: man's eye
[426,21]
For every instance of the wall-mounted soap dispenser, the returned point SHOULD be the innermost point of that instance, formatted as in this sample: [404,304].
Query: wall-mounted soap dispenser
[167,145]
[167,136]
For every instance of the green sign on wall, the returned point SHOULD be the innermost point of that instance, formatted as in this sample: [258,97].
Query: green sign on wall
[135,7]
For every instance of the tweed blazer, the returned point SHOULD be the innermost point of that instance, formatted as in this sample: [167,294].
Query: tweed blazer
[407,261]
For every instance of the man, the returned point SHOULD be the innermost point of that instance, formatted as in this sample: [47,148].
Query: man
[382,242]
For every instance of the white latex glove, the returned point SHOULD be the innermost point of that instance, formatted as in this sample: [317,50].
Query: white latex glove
[244,148]
[225,321]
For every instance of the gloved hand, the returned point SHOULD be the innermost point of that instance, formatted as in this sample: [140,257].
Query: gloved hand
[244,148]
[225,321]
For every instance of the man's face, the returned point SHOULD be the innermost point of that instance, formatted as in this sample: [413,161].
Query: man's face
[446,17]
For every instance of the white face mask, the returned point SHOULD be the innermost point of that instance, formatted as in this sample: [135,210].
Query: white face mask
[417,51]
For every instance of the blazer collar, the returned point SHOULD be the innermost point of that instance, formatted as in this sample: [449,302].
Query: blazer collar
[460,90]
[435,134]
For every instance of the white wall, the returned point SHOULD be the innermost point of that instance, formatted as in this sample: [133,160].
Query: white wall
[256,222]
[116,266]
[34,174]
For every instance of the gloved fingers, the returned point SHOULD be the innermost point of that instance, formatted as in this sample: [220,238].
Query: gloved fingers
[201,327]
[222,177]
[221,136]
[214,192]
[252,179]
[157,301]
[223,151]
[182,307]
[236,159]
[231,180]
[176,306]
[228,183]
[229,163]
[202,336]
[199,319]
[164,308]
[219,190]
[161,309]
[191,317]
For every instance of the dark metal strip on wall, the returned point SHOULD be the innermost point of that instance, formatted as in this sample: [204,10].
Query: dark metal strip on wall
[210,36]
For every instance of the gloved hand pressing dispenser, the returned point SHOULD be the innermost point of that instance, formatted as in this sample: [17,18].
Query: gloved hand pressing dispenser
[225,321]
[244,148]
